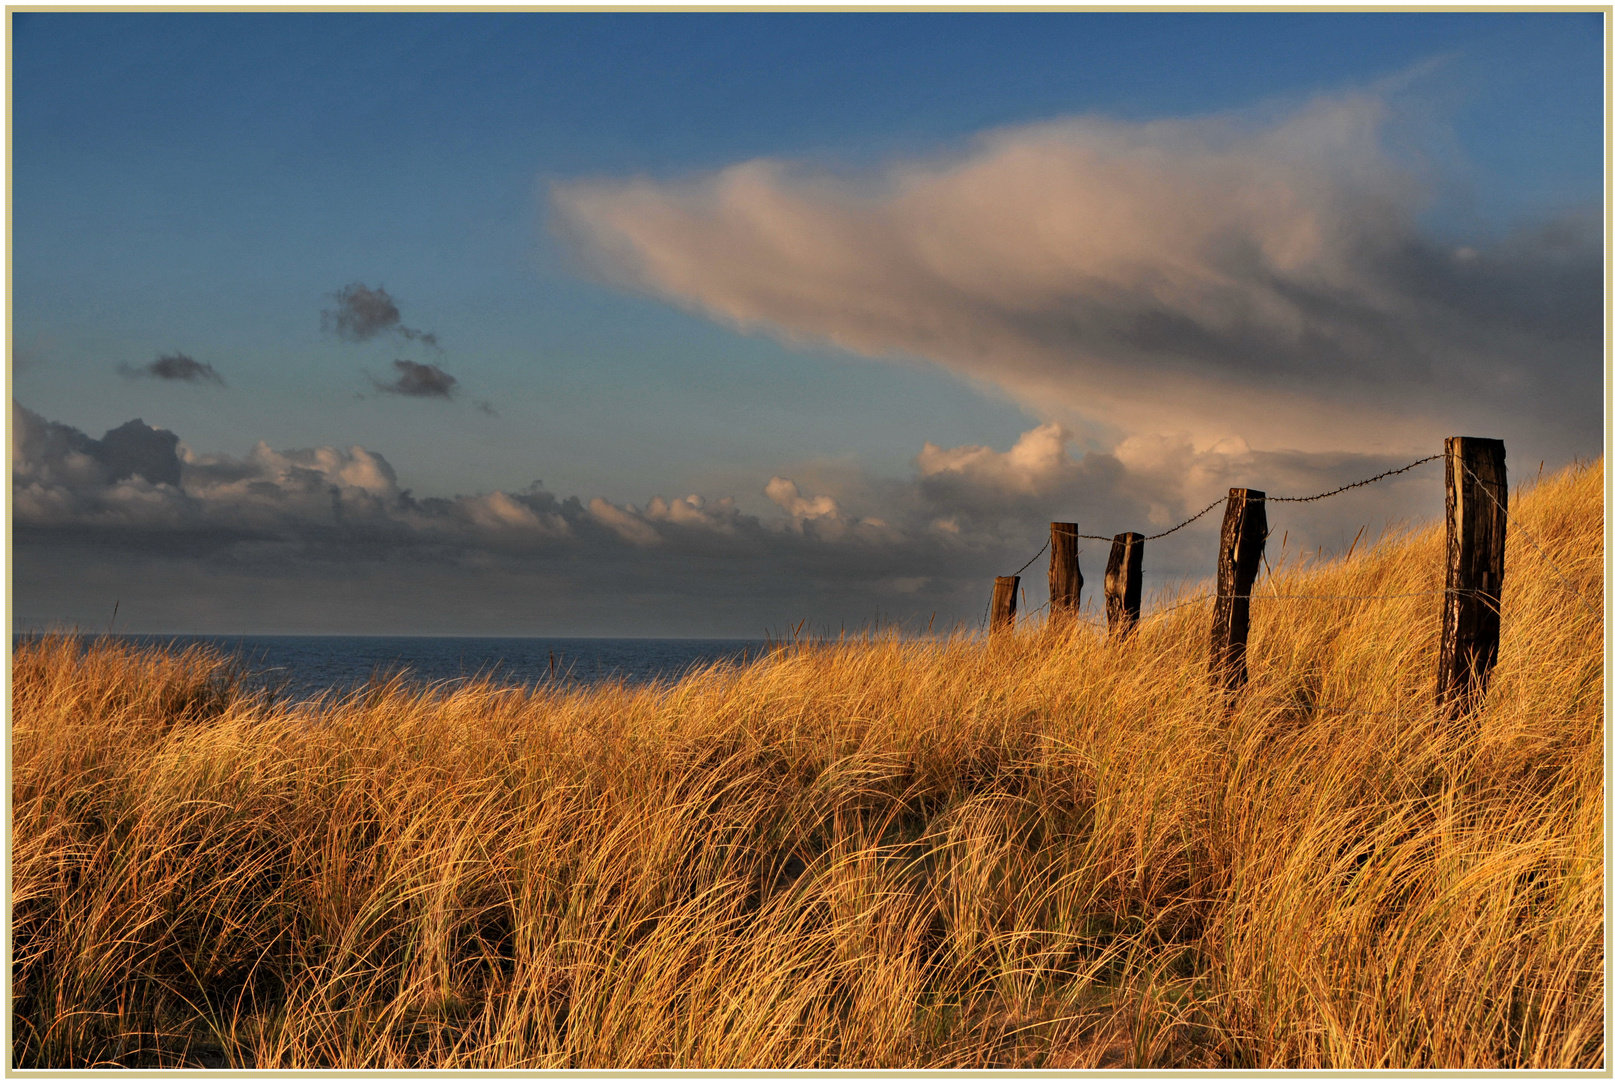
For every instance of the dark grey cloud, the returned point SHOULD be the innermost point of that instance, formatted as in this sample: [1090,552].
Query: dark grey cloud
[836,545]
[173,367]
[418,380]
[57,456]
[137,449]
[362,314]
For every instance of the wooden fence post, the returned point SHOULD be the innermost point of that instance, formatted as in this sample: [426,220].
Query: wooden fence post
[1002,618]
[1477,527]
[1244,532]
[1065,576]
[1124,582]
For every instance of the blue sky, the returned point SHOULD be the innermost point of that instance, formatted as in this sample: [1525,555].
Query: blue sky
[202,184]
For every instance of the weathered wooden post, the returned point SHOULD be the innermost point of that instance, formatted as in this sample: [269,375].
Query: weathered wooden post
[1124,582]
[1065,576]
[1244,531]
[1477,527]
[1002,618]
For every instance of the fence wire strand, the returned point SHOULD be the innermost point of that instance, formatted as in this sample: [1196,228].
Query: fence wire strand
[1577,591]
[1146,616]
[1269,498]
[1348,487]
[1553,566]
[1190,521]
[1034,558]
[1183,604]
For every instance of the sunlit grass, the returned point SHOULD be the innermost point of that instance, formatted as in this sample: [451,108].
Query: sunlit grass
[1054,851]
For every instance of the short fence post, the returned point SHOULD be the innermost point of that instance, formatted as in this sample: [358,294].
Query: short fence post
[1244,532]
[1124,582]
[1002,618]
[1065,576]
[1477,527]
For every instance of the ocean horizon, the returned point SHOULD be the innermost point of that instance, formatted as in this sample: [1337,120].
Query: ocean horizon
[303,666]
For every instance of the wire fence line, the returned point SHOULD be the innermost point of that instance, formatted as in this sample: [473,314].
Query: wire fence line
[1033,559]
[1348,487]
[1157,536]
[1474,557]
[1578,591]
[1181,604]
[1269,596]
[1270,498]
[1096,624]
[1190,521]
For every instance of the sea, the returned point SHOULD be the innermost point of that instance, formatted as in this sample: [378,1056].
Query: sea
[300,667]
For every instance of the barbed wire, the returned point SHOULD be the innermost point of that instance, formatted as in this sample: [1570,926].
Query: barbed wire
[1186,603]
[1348,487]
[1190,521]
[1169,532]
[1267,498]
[1145,617]
[1578,591]
[1034,558]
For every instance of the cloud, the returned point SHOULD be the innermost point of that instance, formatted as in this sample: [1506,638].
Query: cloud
[1149,483]
[418,380]
[626,522]
[173,367]
[52,454]
[1037,462]
[1250,276]
[837,543]
[504,513]
[363,313]
[785,494]
[695,512]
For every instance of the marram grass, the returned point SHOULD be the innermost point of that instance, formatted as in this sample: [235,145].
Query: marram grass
[1054,851]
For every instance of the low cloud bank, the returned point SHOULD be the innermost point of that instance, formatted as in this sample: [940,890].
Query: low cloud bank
[838,548]
[1225,276]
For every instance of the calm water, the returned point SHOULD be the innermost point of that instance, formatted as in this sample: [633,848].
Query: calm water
[302,666]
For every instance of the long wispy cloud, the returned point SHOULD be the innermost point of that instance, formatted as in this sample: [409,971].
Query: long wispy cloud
[1222,276]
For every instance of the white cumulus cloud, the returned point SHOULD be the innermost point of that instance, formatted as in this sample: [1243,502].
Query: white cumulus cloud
[788,497]
[1037,462]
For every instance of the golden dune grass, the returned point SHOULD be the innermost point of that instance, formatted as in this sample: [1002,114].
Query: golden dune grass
[1053,851]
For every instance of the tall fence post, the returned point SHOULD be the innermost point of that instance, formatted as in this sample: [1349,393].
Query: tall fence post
[1239,553]
[1124,582]
[1002,618]
[1065,576]
[1477,527]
